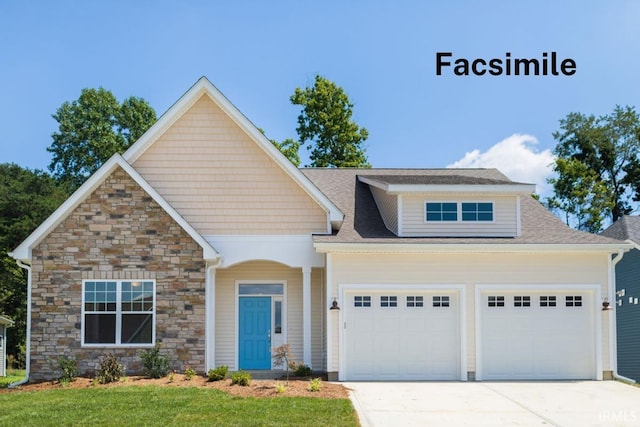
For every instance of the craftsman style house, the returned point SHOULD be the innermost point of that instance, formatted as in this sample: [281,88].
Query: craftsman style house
[204,237]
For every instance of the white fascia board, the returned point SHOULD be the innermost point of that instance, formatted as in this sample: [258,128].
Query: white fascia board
[23,251]
[204,86]
[467,248]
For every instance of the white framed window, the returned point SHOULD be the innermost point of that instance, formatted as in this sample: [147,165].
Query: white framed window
[522,301]
[548,301]
[477,211]
[415,301]
[573,301]
[362,301]
[118,312]
[495,301]
[458,211]
[440,301]
[441,211]
[388,301]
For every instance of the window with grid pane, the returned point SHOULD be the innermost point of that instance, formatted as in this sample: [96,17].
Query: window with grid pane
[573,301]
[522,301]
[547,301]
[388,301]
[440,301]
[477,211]
[415,301]
[118,312]
[441,211]
[495,301]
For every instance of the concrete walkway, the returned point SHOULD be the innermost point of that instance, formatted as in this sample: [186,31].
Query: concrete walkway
[558,403]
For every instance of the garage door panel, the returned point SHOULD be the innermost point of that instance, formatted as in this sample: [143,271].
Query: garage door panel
[539,341]
[412,340]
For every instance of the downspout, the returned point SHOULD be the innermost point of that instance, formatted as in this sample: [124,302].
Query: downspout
[28,343]
[613,329]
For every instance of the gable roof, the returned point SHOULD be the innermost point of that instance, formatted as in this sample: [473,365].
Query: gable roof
[203,87]
[625,228]
[363,223]
[23,251]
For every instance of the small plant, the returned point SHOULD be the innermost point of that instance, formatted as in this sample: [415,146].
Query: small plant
[155,365]
[189,373]
[281,357]
[300,369]
[172,376]
[242,378]
[218,373]
[68,369]
[315,384]
[109,370]
[280,388]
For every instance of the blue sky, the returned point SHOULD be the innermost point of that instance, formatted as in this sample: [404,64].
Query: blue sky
[381,53]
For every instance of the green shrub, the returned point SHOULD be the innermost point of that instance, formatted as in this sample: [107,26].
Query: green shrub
[242,378]
[68,369]
[218,373]
[315,384]
[155,365]
[189,373]
[301,370]
[109,370]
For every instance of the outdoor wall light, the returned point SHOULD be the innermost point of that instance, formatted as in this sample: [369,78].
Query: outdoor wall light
[605,304]
[334,304]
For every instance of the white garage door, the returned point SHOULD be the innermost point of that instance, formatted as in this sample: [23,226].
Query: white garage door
[537,335]
[402,335]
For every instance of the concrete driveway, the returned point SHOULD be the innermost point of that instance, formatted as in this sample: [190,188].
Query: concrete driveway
[557,403]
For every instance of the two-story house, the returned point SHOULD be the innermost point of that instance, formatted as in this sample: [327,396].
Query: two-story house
[203,236]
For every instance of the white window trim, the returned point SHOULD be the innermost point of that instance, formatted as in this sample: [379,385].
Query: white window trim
[118,316]
[459,212]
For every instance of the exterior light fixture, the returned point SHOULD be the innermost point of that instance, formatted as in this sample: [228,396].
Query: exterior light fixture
[605,304]
[334,304]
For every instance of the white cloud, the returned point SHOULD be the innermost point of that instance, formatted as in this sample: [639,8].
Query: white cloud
[517,158]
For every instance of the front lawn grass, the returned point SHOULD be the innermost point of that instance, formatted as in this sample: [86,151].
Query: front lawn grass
[163,406]
[13,375]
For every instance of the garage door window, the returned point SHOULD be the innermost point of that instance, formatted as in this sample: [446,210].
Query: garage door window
[496,301]
[547,301]
[361,301]
[415,301]
[441,301]
[388,301]
[522,301]
[573,301]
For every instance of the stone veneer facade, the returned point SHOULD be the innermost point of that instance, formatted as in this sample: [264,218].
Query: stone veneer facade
[118,232]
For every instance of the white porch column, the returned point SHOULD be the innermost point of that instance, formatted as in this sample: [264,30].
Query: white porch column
[306,315]
[210,317]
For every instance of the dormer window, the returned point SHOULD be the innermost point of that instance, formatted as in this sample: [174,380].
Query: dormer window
[477,211]
[442,211]
[454,211]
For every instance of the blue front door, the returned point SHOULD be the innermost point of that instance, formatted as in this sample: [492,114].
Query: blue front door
[255,333]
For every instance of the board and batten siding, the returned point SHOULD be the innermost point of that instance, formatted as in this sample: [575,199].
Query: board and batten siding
[628,315]
[504,224]
[222,182]
[388,207]
[225,308]
[528,269]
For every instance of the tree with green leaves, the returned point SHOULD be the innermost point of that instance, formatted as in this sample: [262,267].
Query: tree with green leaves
[92,129]
[325,124]
[598,168]
[27,198]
